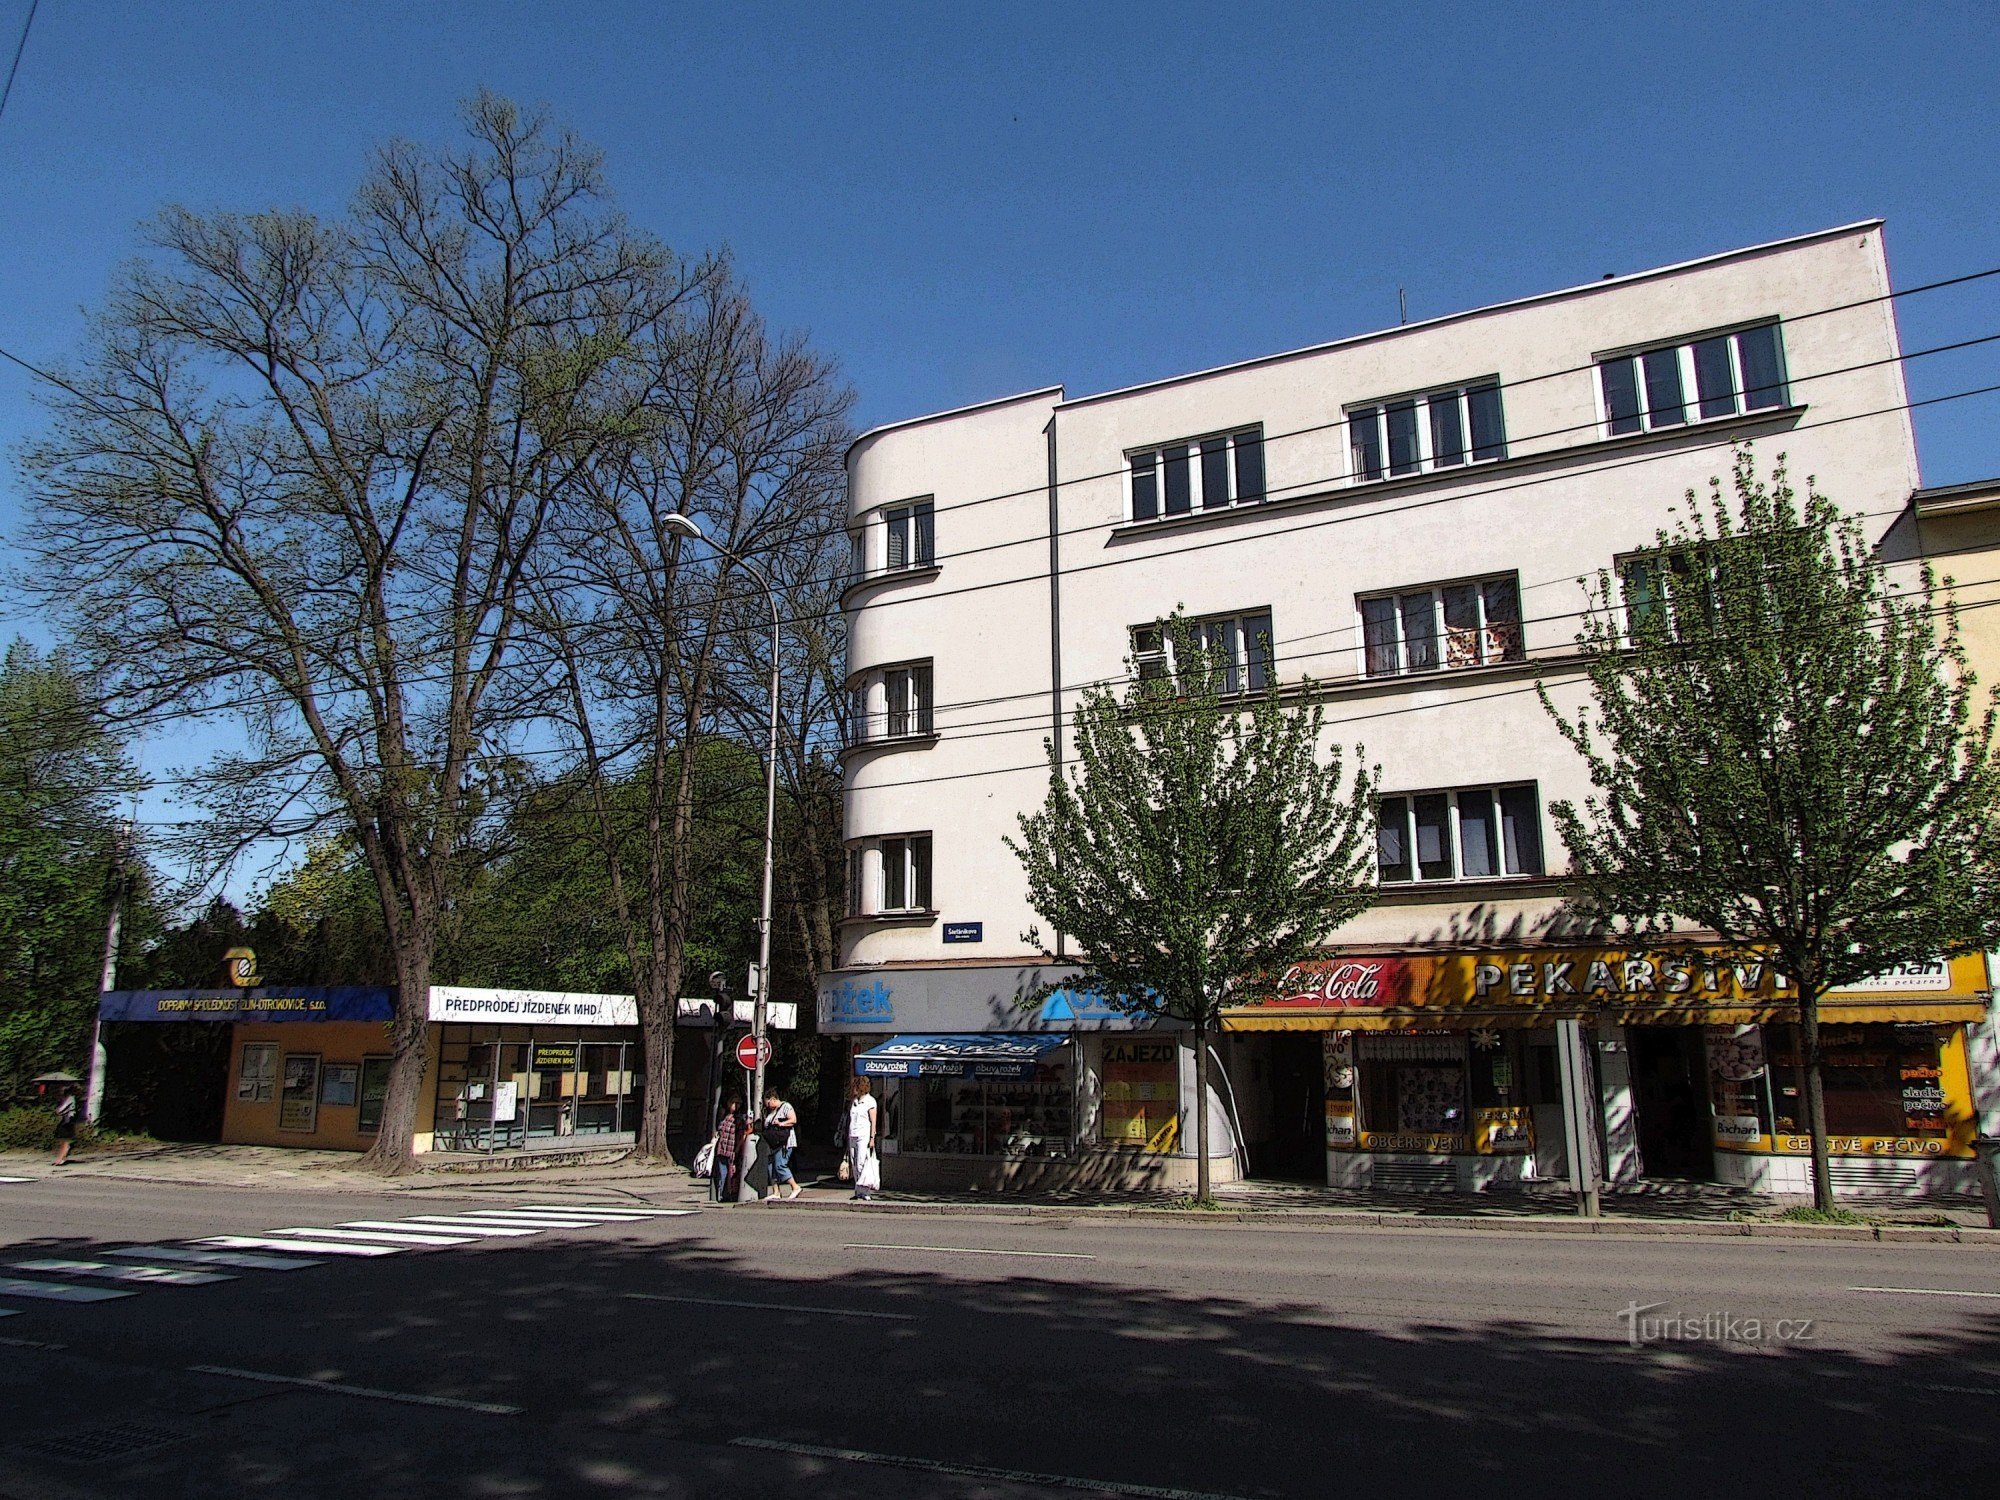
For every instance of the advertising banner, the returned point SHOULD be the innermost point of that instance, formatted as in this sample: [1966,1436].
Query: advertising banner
[530,1007]
[269,1003]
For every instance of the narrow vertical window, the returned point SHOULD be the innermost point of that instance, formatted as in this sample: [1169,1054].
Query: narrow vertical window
[1501,598]
[1489,431]
[1763,367]
[1145,486]
[1249,464]
[1364,435]
[1447,431]
[1621,395]
[925,540]
[1644,608]
[895,875]
[920,691]
[1461,625]
[1420,653]
[1403,454]
[1433,828]
[1520,830]
[898,685]
[1666,406]
[1478,838]
[1180,487]
[1392,841]
[855,555]
[854,882]
[1149,653]
[1378,635]
[1214,472]
[1220,639]
[898,528]
[1714,383]
[1259,652]
[920,872]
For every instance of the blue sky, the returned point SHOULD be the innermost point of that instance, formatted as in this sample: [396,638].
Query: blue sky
[959,201]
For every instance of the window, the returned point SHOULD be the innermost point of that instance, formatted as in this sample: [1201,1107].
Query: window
[374,1091]
[906,873]
[257,1082]
[1465,624]
[1473,833]
[854,882]
[1727,374]
[1423,434]
[909,695]
[856,555]
[1210,473]
[1691,590]
[911,537]
[1239,647]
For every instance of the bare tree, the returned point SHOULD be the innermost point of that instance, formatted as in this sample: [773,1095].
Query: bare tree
[300,475]
[656,638]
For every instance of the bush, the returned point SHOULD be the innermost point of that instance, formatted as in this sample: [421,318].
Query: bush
[27,1129]
[1806,1215]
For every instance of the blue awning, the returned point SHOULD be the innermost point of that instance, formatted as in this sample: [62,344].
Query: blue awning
[261,1003]
[974,1055]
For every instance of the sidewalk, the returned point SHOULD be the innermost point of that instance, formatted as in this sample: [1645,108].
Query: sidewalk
[1655,1210]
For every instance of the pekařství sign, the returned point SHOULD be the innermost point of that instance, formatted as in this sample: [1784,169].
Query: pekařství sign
[528,1007]
[270,1003]
[1630,984]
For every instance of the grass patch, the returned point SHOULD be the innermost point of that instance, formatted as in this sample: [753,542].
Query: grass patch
[1804,1214]
[1188,1203]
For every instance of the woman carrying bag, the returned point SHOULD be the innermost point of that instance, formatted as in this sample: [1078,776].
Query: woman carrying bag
[864,1167]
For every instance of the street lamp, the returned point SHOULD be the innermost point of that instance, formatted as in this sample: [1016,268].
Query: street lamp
[684,525]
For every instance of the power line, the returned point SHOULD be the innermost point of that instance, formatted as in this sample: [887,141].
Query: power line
[19,47]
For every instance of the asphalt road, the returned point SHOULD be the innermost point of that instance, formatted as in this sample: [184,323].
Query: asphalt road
[861,1353]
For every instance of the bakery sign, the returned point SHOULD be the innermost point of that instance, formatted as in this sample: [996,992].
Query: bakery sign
[1590,980]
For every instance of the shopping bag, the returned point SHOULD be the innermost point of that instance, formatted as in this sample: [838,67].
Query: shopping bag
[704,1160]
[870,1180]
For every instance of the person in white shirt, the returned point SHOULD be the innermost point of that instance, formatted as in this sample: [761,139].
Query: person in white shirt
[864,1166]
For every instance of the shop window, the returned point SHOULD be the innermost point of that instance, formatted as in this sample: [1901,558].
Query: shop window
[339,1083]
[1878,1080]
[1011,1117]
[374,1093]
[1141,1094]
[1413,1093]
[298,1102]
[257,1080]
[1470,833]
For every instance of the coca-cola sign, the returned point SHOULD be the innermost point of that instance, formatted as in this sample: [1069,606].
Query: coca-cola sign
[1343,983]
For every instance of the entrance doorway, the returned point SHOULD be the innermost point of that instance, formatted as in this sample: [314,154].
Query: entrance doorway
[1670,1097]
[1279,1079]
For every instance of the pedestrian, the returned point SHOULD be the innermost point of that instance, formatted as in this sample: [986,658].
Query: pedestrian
[67,1110]
[781,1139]
[864,1166]
[728,1147]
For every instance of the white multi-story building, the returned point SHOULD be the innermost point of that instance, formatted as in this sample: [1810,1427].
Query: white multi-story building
[1404,517]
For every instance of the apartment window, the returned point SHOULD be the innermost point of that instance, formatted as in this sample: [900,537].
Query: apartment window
[856,556]
[909,700]
[1239,647]
[1696,588]
[906,873]
[1209,473]
[854,882]
[1472,833]
[1467,624]
[911,538]
[1724,375]
[1423,434]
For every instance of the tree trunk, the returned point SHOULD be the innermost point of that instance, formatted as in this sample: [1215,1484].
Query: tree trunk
[656,1033]
[1201,1190]
[1822,1168]
[394,1149]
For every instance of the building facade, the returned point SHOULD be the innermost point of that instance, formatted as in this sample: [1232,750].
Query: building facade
[1406,518]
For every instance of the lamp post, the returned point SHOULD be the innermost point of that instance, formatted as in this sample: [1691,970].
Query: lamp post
[684,525]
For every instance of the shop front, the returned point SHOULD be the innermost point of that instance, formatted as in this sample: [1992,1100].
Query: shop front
[1445,1072]
[998,1078]
[530,1070]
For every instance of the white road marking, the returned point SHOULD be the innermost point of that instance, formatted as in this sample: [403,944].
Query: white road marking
[377,1236]
[605,1208]
[979,1471]
[304,1247]
[792,1307]
[970,1250]
[334,1387]
[465,1226]
[104,1270]
[16,1179]
[238,1259]
[1922,1291]
[530,1221]
[10,1312]
[58,1291]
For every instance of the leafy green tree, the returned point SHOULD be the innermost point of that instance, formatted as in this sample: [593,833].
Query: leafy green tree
[1787,752]
[62,772]
[1199,843]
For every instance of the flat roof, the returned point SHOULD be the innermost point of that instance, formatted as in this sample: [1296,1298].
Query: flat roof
[956,411]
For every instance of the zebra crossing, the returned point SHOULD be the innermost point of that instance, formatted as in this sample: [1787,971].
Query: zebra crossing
[122,1272]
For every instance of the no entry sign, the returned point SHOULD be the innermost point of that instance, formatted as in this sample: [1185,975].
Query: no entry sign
[751,1051]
